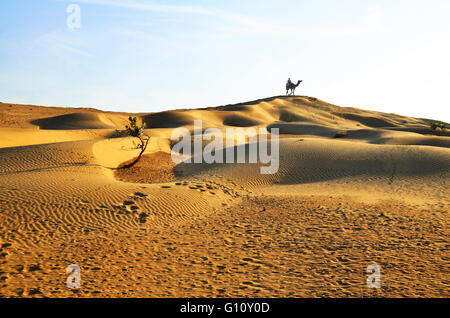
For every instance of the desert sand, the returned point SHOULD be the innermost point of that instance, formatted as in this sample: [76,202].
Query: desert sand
[378,194]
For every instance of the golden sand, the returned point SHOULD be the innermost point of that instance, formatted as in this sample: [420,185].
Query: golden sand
[378,194]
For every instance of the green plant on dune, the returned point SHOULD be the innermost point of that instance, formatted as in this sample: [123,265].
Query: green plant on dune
[134,130]
[437,127]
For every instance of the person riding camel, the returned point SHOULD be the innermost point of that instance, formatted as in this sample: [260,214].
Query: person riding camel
[291,86]
[289,82]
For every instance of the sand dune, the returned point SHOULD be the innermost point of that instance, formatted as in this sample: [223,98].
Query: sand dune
[378,194]
[74,121]
[170,119]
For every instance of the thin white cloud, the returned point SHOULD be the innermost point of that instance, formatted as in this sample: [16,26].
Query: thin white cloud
[59,42]
[72,49]
[239,21]
[142,6]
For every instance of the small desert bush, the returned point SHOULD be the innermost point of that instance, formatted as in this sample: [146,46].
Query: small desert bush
[134,130]
[340,134]
[437,127]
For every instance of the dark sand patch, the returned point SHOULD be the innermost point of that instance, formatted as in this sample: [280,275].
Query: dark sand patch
[153,168]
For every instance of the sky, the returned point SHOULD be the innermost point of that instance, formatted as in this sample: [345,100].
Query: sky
[147,56]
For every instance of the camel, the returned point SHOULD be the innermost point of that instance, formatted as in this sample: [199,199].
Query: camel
[291,86]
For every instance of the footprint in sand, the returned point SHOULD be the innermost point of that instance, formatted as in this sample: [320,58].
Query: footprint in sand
[197,187]
[34,268]
[129,206]
[3,278]
[140,195]
[19,268]
[143,217]
[165,187]
[19,291]
[34,291]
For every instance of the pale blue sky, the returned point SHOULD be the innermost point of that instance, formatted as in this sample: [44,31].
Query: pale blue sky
[144,55]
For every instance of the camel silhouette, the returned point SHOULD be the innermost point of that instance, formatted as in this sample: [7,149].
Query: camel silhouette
[291,87]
